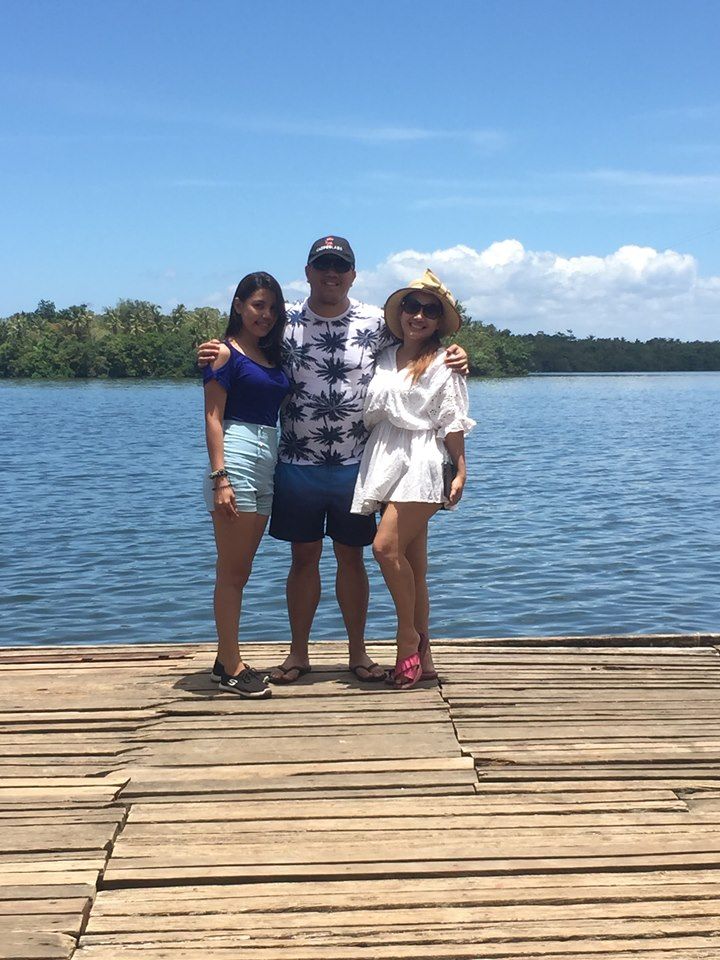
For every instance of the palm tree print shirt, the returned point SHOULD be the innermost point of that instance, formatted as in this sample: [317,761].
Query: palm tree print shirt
[330,363]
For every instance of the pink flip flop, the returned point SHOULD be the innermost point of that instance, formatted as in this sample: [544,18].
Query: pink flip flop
[407,672]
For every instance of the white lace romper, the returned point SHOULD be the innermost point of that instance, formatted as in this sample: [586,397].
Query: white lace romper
[404,455]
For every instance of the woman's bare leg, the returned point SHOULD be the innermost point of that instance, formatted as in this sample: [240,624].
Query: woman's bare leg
[416,554]
[237,540]
[401,523]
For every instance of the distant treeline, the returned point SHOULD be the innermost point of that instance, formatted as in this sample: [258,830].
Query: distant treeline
[136,339]
[132,339]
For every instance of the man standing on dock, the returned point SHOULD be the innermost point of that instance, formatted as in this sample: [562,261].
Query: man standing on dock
[331,343]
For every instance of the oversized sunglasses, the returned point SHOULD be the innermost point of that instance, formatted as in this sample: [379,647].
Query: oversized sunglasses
[324,264]
[431,311]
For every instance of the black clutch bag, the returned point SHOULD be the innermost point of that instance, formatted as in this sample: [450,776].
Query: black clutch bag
[449,472]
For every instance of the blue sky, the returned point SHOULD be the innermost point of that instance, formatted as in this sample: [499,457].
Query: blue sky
[558,163]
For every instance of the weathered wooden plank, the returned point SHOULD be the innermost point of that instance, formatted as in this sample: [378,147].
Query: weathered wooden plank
[66,906]
[362,702]
[89,769]
[315,749]
[65,836]
[140,874]
[640,950]
[77,814]
[499,776]
[67,923]
[40,864]
[649,941]
[52,791]
[614,884]
[303,725]
[581,810]
[621,842]
[345,912]
[367,811]
[15,880]
[41,859]
[43,889]
[27,945]
[269,791]
[561,826]
[354,918]
[692,755]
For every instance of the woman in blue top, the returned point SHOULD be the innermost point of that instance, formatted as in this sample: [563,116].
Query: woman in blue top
[244,388]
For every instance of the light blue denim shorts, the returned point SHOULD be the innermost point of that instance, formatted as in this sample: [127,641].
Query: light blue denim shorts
[250,458]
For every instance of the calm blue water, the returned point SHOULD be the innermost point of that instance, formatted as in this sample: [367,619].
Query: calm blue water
[593,506]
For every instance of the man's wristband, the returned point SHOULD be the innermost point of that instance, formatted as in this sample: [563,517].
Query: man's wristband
[216,474]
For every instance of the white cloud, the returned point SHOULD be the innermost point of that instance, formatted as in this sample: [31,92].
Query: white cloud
[220,298]
[708,111]
[296,289]
[635,292]
[485,140]
[644,178]
[598,191]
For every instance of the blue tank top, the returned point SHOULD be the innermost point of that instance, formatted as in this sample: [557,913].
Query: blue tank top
[254,392]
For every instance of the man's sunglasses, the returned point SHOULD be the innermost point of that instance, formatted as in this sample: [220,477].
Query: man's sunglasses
[324,264]
[431,311]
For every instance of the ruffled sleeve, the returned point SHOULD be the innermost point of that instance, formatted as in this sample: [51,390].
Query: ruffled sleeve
[451,412]
[223,374]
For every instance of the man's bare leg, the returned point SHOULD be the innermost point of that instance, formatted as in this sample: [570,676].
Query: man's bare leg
[303,596]
[353,592]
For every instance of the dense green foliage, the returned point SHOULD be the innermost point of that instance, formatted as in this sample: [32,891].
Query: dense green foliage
[132,339]
[135,339]
[564,353]
[499,353]
[492,352]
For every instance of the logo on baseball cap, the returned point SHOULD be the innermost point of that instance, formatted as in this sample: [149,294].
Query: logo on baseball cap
[332,246]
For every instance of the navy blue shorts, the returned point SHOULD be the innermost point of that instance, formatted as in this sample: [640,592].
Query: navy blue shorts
[314,500]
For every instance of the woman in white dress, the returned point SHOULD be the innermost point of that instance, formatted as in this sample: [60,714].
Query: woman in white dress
[414,460]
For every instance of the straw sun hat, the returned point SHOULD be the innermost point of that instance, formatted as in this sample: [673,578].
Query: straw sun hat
[428,283]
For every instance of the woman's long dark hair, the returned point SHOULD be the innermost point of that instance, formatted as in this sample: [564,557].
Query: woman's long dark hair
[271,343]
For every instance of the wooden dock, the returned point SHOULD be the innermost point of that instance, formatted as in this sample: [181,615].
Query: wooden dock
[554,798]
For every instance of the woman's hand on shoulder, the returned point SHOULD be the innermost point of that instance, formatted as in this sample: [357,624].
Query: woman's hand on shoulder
[207,352]
[457,359]
[223,355]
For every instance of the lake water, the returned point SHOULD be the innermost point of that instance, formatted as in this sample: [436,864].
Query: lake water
[593,506]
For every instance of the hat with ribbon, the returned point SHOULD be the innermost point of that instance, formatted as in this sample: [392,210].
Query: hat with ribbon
[450,321]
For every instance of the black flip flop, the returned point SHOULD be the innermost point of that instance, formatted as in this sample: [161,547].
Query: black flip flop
[369,678]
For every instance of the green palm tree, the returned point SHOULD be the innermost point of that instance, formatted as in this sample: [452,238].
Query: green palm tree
[76,321]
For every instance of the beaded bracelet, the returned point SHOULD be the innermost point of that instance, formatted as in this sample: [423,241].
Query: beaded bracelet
[216,474]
